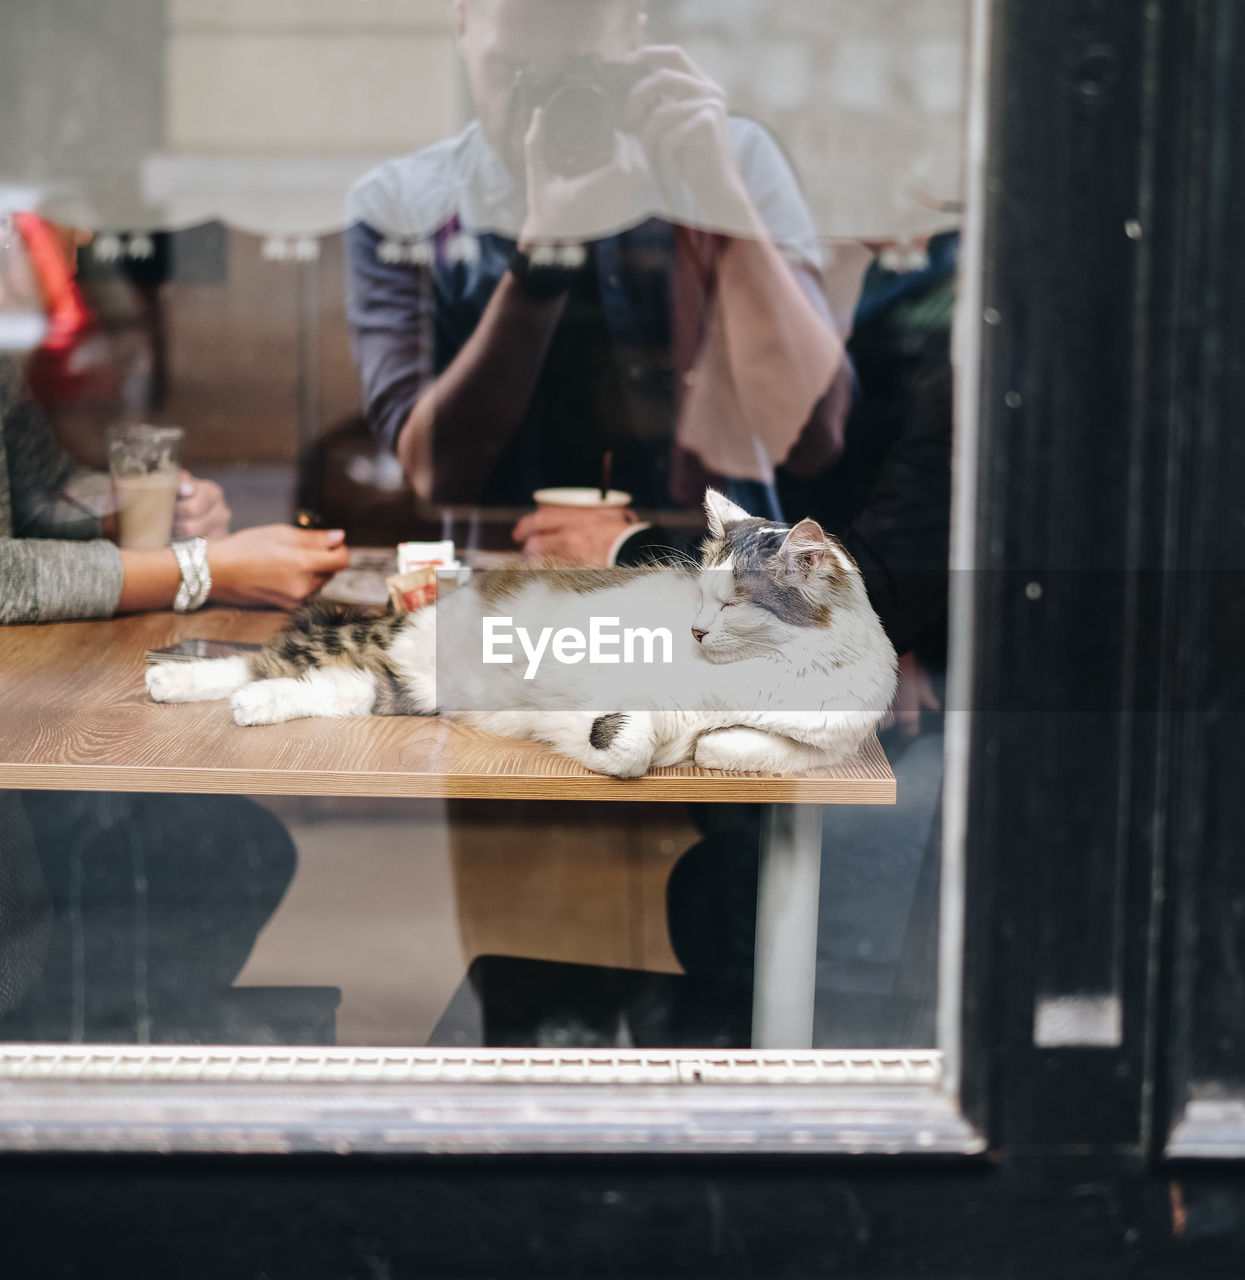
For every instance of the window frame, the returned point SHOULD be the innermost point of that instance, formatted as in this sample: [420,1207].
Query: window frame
[1055,96]
[126,1098]
[1205,294]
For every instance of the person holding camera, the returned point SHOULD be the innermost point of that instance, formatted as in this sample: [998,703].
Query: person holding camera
[605,262]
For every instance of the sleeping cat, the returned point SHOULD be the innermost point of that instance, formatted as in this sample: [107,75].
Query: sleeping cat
[780,662]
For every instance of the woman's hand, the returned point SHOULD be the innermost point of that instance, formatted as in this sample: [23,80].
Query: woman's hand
[275,565]
[201,510]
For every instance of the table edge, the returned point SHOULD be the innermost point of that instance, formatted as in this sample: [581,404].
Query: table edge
[729,788]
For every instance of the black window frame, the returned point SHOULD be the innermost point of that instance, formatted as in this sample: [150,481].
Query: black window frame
[1111,306]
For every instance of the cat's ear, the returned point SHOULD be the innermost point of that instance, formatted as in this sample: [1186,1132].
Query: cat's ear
[804,549]
[721,511]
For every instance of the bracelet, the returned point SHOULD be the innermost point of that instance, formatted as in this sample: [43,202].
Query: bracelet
[191,555]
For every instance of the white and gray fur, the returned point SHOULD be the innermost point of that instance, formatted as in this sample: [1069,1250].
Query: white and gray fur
[773,619]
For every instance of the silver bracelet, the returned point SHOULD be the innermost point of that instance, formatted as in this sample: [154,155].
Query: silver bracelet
[196,585]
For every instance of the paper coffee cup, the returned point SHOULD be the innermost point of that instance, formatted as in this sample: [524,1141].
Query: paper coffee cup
[583,498]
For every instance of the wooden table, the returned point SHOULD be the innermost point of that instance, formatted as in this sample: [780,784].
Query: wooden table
[75,715]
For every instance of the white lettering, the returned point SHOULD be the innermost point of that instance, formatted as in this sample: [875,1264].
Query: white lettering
[534,655]
[599,638]
[649,636]
[493,636]
[569,645]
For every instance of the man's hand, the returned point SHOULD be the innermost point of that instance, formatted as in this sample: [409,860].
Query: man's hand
[572,536]
[680,116]
[585,207]
[201,511]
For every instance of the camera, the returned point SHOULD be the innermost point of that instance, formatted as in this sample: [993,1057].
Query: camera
[583,99]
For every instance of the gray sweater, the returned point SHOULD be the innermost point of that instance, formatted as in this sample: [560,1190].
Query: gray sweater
[53,563]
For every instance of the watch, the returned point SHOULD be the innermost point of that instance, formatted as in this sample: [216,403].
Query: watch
[548,271]
[191,554]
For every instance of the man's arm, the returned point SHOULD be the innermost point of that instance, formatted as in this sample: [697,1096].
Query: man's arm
[771,339]
[788,363]
[448,431]
[461,425]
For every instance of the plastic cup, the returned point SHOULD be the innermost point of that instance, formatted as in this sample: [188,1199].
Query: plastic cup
[145,463]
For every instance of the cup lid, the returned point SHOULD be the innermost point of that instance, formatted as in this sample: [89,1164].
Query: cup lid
[587,497]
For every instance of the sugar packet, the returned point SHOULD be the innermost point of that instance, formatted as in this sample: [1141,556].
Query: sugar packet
[415,583]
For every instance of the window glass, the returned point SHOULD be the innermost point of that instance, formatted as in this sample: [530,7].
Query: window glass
[1212,922]
[1207,1053]
[620,330]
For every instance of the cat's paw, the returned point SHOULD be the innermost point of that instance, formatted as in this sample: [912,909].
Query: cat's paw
[742,750]
[207,681]
[257,703]
[713,751]
[168,683]
[737,751]
[621,744]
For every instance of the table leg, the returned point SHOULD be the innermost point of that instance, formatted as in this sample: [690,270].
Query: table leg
[785,977]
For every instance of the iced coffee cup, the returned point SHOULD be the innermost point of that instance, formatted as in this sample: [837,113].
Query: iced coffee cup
[145,463]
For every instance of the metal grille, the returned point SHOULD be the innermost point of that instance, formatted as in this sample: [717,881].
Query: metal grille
[157,1064]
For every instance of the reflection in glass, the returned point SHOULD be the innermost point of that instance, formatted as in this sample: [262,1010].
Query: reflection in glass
[624,251]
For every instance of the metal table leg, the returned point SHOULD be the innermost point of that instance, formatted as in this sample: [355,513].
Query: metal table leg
[784,981]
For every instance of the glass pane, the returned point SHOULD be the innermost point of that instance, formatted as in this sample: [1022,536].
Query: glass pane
[663,291]
[1206,1054]
[1211,1031]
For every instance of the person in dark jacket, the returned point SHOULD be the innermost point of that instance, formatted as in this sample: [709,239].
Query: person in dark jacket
[889,499]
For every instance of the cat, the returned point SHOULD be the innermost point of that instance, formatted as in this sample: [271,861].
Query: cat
[780,663]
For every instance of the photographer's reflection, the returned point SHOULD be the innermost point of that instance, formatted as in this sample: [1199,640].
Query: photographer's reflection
[604,263]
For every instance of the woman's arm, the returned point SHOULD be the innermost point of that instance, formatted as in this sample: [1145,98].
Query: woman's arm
[50,580]
[150,580]
[45,580]
[45,488]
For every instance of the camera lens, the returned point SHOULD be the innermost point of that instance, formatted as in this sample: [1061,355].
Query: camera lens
[581,126]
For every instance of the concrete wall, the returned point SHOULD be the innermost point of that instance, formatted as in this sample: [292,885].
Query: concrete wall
[309,77]
[81,92]
[866,96]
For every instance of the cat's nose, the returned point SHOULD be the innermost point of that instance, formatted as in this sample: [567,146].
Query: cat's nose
[700,635]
